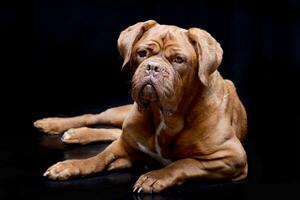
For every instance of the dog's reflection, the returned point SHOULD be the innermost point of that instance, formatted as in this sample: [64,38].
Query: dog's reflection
[149,197]
[54,142]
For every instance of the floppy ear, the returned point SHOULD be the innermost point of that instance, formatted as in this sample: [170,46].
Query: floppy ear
[209,53]
[130,36]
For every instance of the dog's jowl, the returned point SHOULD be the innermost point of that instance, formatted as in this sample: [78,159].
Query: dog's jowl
[185,116]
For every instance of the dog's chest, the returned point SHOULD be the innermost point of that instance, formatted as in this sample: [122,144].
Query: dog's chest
[159,148]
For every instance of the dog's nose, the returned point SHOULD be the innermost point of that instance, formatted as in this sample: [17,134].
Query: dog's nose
[153,68]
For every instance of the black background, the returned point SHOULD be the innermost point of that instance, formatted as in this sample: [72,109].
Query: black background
[60,58]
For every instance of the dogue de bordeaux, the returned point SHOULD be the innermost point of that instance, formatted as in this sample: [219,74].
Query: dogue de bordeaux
[185,116]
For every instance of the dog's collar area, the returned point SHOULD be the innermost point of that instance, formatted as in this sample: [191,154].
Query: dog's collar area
[156,155]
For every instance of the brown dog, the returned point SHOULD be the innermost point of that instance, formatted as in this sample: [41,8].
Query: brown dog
[185,115]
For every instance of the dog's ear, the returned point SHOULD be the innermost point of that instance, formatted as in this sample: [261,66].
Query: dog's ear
[209,53]
[130,36]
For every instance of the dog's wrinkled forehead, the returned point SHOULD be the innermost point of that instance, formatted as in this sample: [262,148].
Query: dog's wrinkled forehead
[156,38]
[165,38]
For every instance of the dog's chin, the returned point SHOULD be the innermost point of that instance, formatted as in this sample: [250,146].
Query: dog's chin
[149,95]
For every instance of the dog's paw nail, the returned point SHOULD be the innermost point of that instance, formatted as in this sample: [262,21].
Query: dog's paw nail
[140,189]
[36,124]
[66,136]
[134,189]
[46,173]
[111,167]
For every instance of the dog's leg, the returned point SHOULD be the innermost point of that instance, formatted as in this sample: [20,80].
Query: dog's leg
[121,163]
[86,135]
[113,157]
[56,125]
[190,169]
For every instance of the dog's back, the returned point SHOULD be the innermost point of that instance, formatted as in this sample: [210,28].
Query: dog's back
[239,116]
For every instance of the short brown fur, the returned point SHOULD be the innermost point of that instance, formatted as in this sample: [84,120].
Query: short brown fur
[185,115]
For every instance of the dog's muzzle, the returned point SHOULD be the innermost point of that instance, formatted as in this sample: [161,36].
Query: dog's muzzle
[151,75]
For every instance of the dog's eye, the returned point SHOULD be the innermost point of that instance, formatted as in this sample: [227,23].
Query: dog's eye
[179,59]
[142,53]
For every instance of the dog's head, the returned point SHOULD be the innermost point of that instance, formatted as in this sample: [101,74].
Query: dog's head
[167,62]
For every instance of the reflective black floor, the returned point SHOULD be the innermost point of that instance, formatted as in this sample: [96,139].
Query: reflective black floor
[27,154]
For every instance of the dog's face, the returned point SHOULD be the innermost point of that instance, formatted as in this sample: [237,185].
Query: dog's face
[167,62]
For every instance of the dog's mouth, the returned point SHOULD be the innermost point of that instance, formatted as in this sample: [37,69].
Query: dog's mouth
[147,94]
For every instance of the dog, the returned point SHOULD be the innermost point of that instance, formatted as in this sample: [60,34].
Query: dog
[185,116]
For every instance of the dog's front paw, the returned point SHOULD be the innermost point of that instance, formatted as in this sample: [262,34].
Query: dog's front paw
[76,136]
[53,125]
[154,181]
[67,169]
